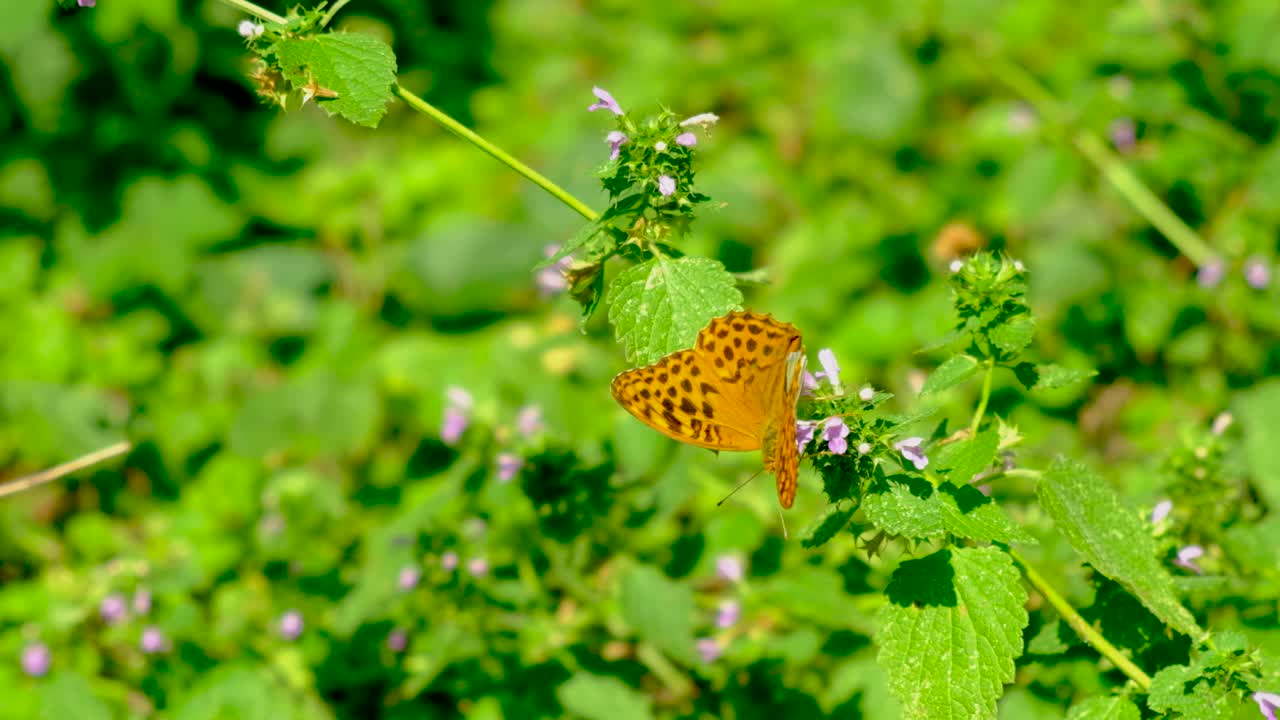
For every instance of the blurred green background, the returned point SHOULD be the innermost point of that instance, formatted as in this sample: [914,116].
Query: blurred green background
[272,308]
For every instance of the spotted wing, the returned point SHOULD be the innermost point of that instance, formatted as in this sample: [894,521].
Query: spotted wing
[681,397]
[781,456]
[744,339]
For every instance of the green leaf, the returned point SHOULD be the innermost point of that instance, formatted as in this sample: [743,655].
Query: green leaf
[1183,689]
[950,373]
[1051,640]
[1105,708]
[245,692]
[602,698]
[1013,335]
[661,611]
[835,520]
[1112,538]
[1259,412]
[1049,377]
[658,306]
[68,696]
[816,594]
[951,631]
[959,461]
[360,68]
[910,507]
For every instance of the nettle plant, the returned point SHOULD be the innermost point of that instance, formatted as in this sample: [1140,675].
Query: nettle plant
[955,616]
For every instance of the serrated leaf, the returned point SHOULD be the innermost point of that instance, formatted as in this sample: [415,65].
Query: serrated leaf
[659,610]
[1013,335]
[910,507]
[658,306]
[1259,413]
[602,698]
[835,520]
[360,69]
[1105,708]
[1112,538]
[950,373]
[1049,377]
[1181,689]
[951,631]
[1051,640]
[958,462]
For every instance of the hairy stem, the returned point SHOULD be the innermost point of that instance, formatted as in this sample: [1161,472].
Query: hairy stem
[58,471]
[986,395]
[1081,626]
[496,152]
[255,10]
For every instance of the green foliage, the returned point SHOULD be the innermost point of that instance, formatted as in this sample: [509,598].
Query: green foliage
[658,307]
[951,631]
[1110,708]
[910,507]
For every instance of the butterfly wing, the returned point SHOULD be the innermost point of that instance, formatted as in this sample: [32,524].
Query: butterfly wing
[781,456]
[681,397]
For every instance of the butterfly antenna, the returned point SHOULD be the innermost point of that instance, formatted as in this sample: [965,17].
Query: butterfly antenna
[735,490]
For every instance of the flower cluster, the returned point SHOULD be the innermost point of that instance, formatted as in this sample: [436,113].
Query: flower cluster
[457,418]
[1256,272]
[730,570]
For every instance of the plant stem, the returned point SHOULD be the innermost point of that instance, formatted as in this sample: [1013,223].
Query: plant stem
[1081,626]
[986,395]
[255,10]
[36,479]
[328,15]
[496,152]
[1107,162]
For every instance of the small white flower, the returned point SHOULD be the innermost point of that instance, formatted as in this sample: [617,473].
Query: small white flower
[956,265]
[249,30]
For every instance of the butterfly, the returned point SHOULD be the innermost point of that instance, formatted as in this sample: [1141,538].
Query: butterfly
[736,389]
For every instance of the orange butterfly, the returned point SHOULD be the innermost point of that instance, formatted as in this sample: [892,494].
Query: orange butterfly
[736,389]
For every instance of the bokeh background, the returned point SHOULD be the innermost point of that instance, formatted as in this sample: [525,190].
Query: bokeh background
[273,307]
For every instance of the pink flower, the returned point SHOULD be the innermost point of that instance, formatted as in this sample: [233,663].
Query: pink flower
[529,420]
[702,120]
[36,659]
[666,185]
[1161,511]
[478,567]
[804,434]
[808,383]
[248,29]
[142,602]
[397,640]
[616,140]
[87,3]
[449,560]
[604,101]
[1187,557]
[1268,704]
[830,368]
[728,613]
[153,640]
[911,449]
[291,625]
[456,416]
[112,608]
[730,567]
[1210,274]
[551,279]
[508,465]
[835,432]
[1257,274]
[708,649]
[409,576]
[687,139]
[867,394]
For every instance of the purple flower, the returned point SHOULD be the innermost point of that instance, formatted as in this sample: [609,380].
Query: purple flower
[478,567]
[867,394]
[409,576]
[1161,511]
[87,3]
[153,640]
[808,383]
[830,368]
[604,101]
[508,465]
[708,649]
[1221,423]
[1123,134]
[666,185]
[456,416]
[36,659]
[291,625]
[397,640]
[804,434]
[248,29]
[551,279]
[728,613]
[687,139]
[529,420]
[1187,557]
[835,432]
[702,120]
[1268,703]
[142,602]
[911,449]
[1257,274]
[864,448]
[449,560]
[616,139]
[112,608]
[729,566]
[1210,274]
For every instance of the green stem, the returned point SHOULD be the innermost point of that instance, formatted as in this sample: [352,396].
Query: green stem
[256,11]
[986,395]
[1081,626]
[1107,163]
[328,15]
[496,152]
